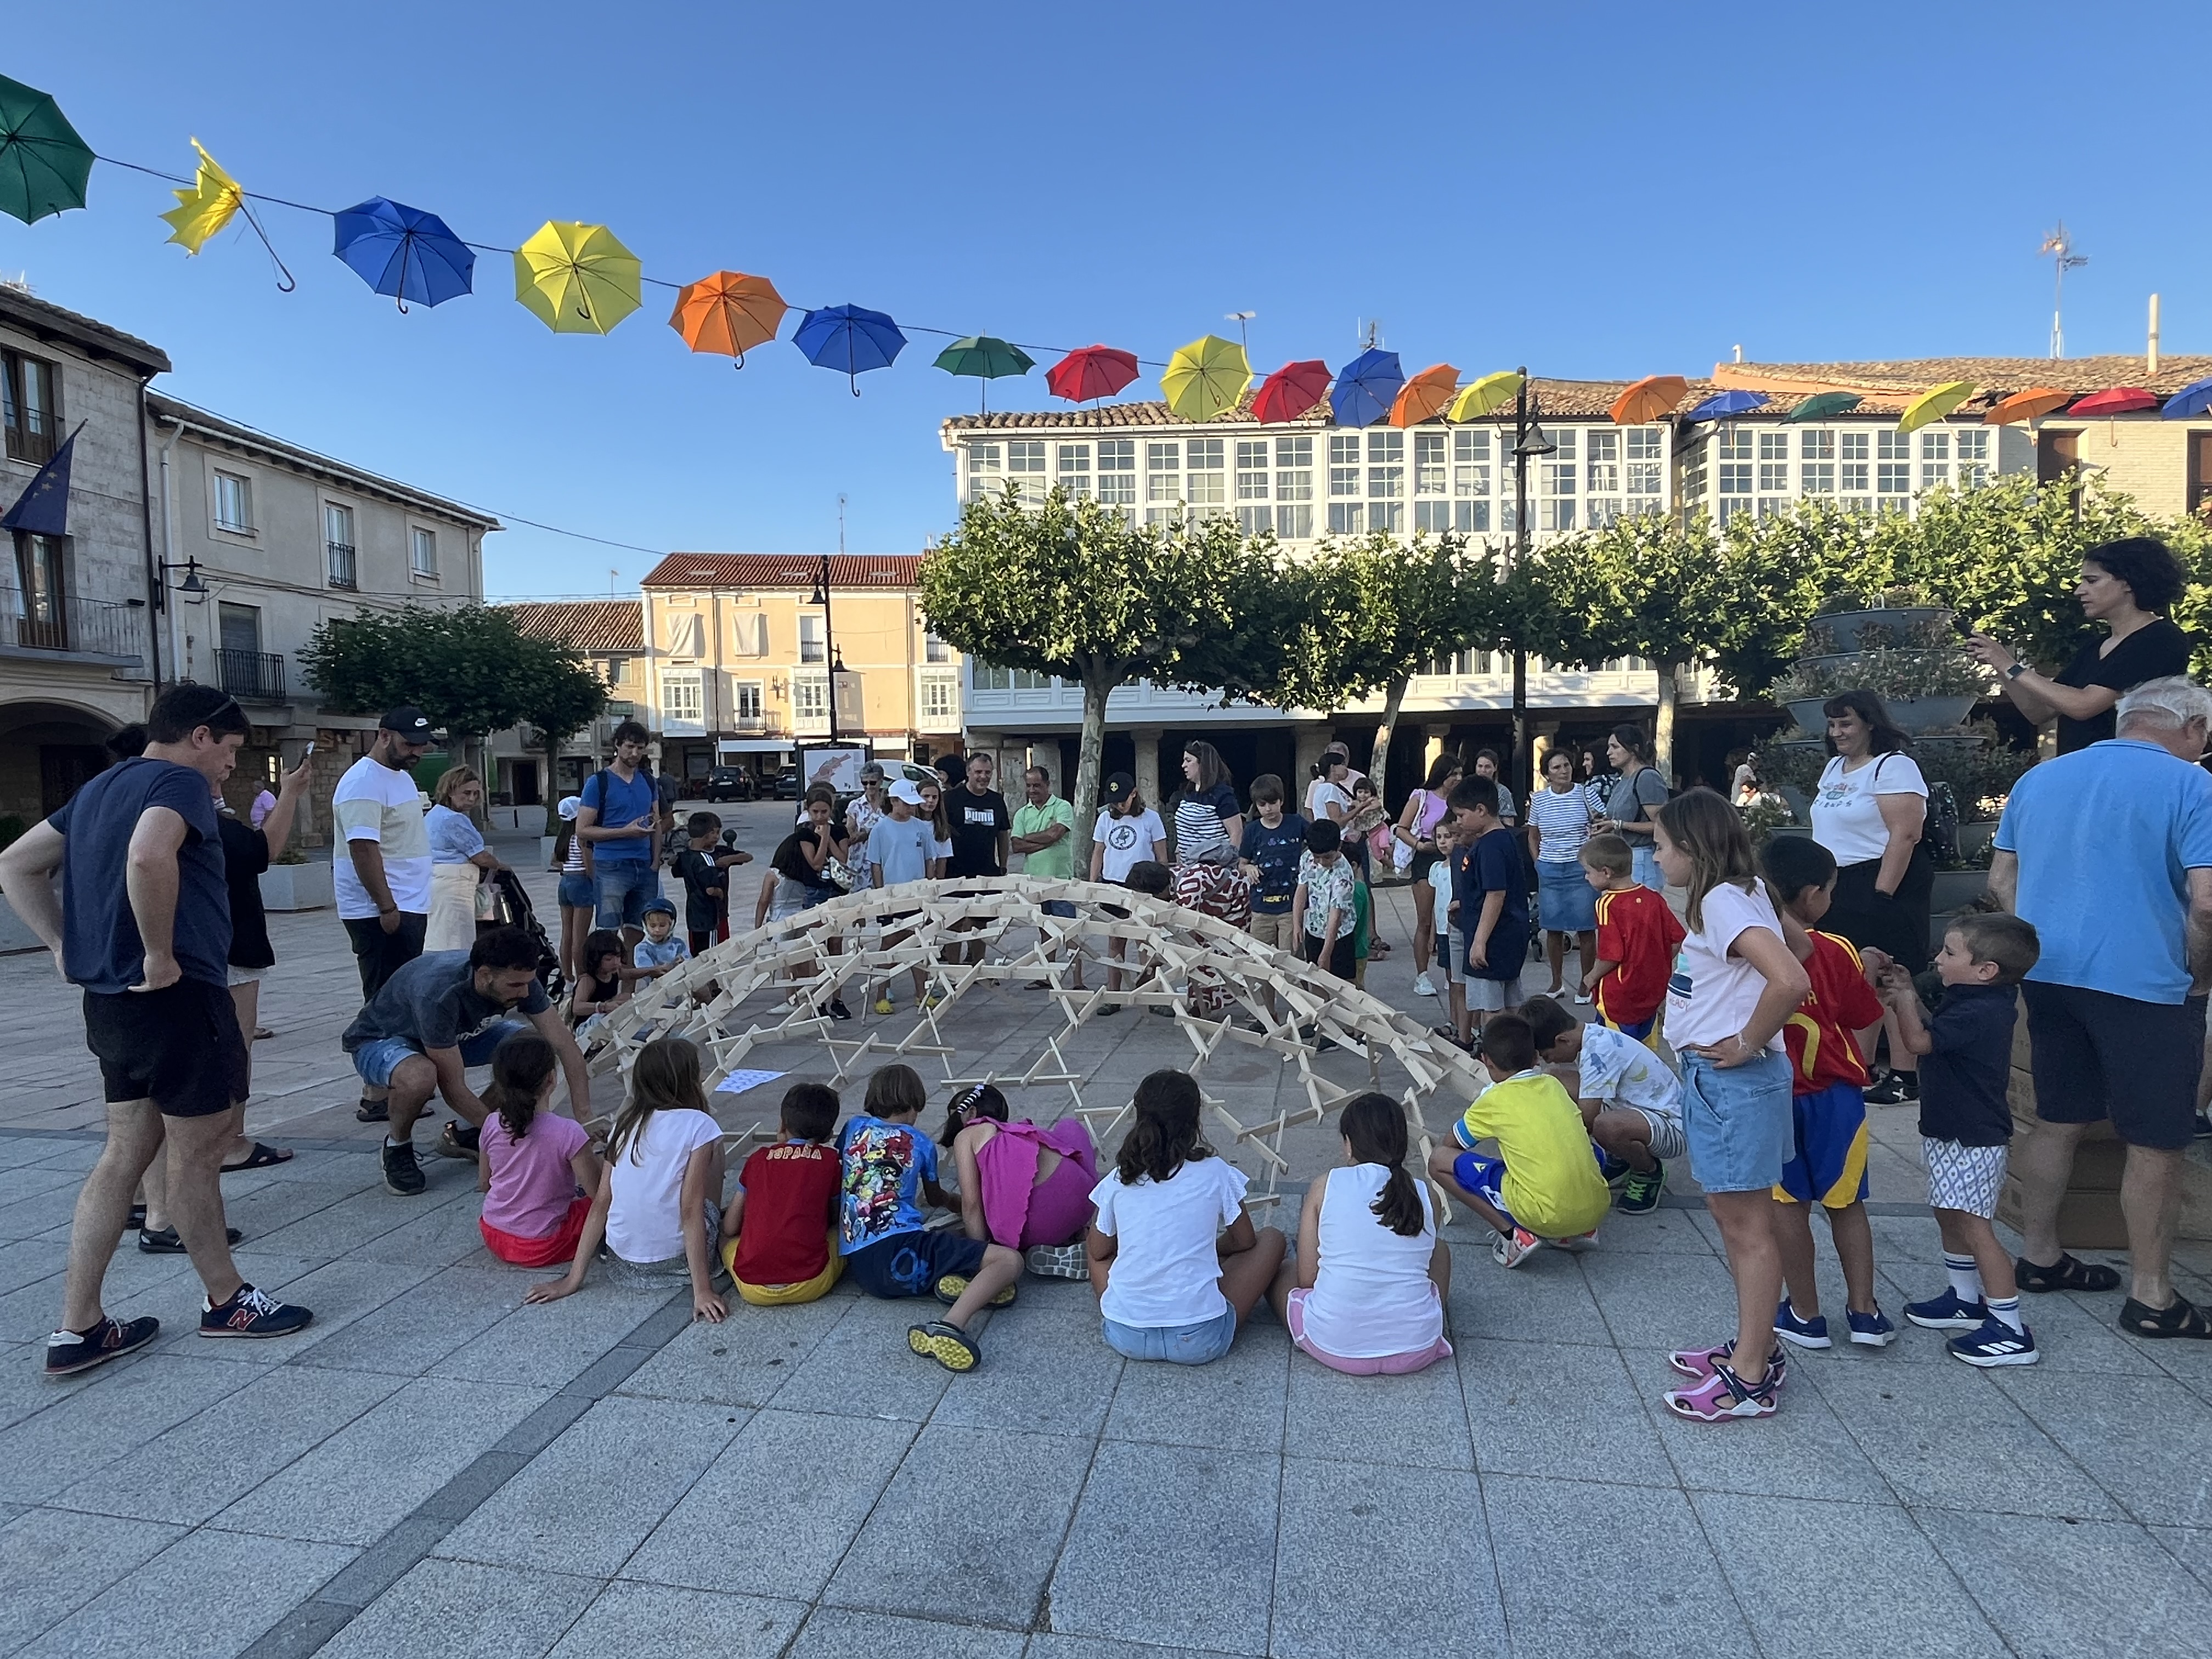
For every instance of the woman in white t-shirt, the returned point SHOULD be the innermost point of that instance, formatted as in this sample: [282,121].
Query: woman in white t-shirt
[1868,811]
[1735,981]
[1329,794]
[1175,1261]
[660,1207]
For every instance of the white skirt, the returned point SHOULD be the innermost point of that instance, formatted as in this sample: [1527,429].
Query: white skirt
[452,924]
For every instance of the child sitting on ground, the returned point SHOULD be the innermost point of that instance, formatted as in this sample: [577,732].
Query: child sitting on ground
[659,950]
[1636,936]
[1631,1102]
[1545,1181]
[658,1209]
[1176,1262]
[1365,1291]
[889,1175]
[1966,1128]
[780,1226]
[537,1170]
[1828,1051]
[1026,1188]
[602,987]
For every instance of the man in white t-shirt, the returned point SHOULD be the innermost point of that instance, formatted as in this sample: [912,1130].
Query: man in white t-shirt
[382,881]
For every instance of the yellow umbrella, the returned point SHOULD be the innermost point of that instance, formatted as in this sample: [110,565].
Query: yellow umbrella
[1486,396]
[206,208]
[1205,377]
[1934,405]
[576,279]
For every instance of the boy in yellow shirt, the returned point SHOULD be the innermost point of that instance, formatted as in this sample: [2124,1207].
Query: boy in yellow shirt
[1545,1183]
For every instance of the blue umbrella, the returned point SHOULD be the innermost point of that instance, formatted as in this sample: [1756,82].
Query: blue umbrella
[403,251]
[1366,388]
[2191,403]
[1722,404]
[850,339]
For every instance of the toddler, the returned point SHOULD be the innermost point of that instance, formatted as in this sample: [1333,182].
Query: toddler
[538,1171]
[1637,938]
[1631,1104]
[659,949]
[1451,963]
[779,1225]
[702,866]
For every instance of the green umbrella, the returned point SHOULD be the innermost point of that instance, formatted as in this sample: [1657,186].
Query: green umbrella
[1822,404]
[43,163]
[986,357]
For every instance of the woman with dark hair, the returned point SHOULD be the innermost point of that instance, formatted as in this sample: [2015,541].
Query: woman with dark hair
[2129,586]
[1417,828]
[1637,791]
[1867,811]
[1206,815]
[1486,765]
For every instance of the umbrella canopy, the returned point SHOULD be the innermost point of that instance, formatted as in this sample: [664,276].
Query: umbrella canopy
[1424,396]
[1934,405]
[728,312]
[1291,391]
[1366,388]
[1205,377]
[1725,406]
[2193,400]
[403,251]
[2119,400]
[1486,396]
[1093,371]
[850,339]
[986,357]
[1651,398]
[205,208]
[1822,404]
[43,163]
[576,278]
[2030,404]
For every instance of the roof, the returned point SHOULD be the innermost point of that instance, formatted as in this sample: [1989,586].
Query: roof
[46,320]
[758,571]
[1901,380]
[238,435]
[595,626]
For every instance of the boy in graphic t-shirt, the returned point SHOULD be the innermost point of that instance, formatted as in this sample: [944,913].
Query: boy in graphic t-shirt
[1272,844]
[780,1226]
[1637,938]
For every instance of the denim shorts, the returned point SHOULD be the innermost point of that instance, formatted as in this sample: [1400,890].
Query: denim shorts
[911,1263]
[1739,1121]
[376,1061]
[623,887]
[577,892]
[1064,909]
[1644,859]
[1177,1344]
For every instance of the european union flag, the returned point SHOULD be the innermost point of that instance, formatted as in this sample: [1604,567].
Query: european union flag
[43,509]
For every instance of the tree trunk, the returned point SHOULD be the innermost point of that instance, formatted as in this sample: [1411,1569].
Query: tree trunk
[552,783]
[1663,726]
[1378,764]
[1097,685]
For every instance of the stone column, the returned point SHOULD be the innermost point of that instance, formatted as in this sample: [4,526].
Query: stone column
[1147,742]
[1432,748]
[1312,738]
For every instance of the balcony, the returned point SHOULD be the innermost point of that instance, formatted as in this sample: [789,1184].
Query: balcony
[36,446]
[251,676]
[764,726]
[66,626]
[343,566]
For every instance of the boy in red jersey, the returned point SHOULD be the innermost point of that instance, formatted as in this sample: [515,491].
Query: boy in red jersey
[1637,938]
[1827,1058]
[780,1226]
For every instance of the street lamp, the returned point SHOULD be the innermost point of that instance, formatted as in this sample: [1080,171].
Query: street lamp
[191,587]
[821,597]
[1529,440]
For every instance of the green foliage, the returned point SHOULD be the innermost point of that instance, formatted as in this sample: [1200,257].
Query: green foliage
[1889,671]
[469,670]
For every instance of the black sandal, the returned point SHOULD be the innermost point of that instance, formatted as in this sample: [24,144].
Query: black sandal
[261,1157]
[2064,1274]
[2182,1319]
[378,1111]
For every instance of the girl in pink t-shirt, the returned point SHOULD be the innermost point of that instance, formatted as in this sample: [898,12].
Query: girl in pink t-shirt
[537,1172]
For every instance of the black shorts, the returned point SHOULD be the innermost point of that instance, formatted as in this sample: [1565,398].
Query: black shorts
[1343,960]
[379,955]
[178,1046]
[2097,1055]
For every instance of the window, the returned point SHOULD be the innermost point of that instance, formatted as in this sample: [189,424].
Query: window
[2200,472]
[811,644]
[1558,514]
[234,504]
[1773,446]
[1161,483]
[423,556]
[983,470]
[618,670]
[685,635]
[1025,462]
[1559,477]
[43,624]
[1205,483]
[1471,480]
[1429,463]
[1163,457]
[1816,446]
[748,702]
[1294,485]
[940,701]
[1973,458]
[1564,438]
[1074,460]
[934,649]
[30,404]
[1894,448]
[338,545]
[1252,470]
[1934,458]
[748,635]
[1386,481]
[1117,472]
[1345,516]
[1851,453]
[989,678]
[682,701]
[1462,665]
[809,701]
[1818,478]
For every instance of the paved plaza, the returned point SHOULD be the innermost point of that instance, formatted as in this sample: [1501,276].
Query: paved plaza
[432,1467]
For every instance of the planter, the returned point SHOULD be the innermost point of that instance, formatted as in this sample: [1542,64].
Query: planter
[297,887]
[1931,714]
[1955,890]
[1974,839]
[1842,628]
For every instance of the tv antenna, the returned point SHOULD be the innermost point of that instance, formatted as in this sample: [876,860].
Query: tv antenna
[1370,331]
[2059,246]
[1241,318]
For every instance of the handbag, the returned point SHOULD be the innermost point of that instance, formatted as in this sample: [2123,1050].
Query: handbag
[486,900]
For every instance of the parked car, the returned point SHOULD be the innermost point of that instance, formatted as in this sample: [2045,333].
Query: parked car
[729,783]
[786,784]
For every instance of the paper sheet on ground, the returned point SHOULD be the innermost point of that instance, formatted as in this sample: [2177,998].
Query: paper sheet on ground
[739,1081]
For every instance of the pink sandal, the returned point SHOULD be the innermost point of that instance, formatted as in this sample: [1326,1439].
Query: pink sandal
[1701,1404]
[1699,1362]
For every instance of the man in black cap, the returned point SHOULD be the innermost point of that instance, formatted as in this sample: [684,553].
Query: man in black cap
[382,881]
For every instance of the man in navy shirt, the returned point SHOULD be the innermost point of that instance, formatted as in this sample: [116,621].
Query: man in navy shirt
[620,819]
[143,924]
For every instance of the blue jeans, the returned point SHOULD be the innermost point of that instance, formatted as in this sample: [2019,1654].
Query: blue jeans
[1741,1127]
[622,889]
[1647,867]
[1178,1345]
[376,1061]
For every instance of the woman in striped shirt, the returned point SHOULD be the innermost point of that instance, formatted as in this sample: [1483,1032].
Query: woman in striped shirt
[572,857]
[1560,817]
[1206,815]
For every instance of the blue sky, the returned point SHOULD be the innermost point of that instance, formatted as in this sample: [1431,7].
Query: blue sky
[1592,190]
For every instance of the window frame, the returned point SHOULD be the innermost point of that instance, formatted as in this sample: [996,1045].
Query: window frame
[241,485]
[417,571]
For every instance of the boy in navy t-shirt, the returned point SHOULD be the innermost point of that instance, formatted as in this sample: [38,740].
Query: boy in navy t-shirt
[1272,842]
[1493,903]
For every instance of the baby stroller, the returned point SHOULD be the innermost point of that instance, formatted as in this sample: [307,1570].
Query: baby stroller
[511,907]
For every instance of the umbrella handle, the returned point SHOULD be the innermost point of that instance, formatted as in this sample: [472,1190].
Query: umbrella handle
[853,380]
[286,282]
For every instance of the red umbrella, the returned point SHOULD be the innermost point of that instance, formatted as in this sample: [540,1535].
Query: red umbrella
[2120,400]
[1094,371]
[1290,392]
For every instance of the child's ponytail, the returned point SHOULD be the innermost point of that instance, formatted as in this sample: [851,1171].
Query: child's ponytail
[521,1068]
[984,1100]
[1375,1124]
[1166,1134]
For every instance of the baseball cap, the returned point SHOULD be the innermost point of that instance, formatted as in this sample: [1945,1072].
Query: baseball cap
[662,905]
[409,721]
[906,790]
[569,806]
[1119,786]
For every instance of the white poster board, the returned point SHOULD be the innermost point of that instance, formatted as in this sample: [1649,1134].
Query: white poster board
[837,765]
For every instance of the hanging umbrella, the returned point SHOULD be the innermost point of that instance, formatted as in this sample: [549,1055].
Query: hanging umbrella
[1651,398]
[576,278]
[403,251]
[1725,406]
[2119,400]
[728,312]
[43,163]
[1205,377]
[1486,396]
[1934,405]
[1822,404]
[1366,388]
[1426,396]
[2192,401]
[1094,371]
[986,357]
[206,208]
[850,339]
[2029,405]
[1290,392]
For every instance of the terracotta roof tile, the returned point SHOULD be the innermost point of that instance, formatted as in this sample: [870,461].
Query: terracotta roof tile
[1994,377]
[596,626]
[783,570]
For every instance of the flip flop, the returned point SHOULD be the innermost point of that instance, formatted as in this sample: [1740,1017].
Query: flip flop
[260,1158]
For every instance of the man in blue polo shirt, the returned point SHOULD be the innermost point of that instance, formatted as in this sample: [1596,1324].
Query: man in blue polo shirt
[620,818]
[2108,851]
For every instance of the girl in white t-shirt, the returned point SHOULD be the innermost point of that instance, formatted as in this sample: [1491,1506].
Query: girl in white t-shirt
[1365,1292]
[659,1208]
[1174,1259]
[1735,981]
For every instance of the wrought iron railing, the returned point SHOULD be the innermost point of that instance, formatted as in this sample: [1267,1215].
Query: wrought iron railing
[64,621]
[251,676]
[341,565]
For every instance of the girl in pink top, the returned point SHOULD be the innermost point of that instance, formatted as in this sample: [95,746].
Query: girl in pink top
[1021,1186]
[537,1172]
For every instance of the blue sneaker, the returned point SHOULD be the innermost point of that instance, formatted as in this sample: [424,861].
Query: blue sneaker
[1871,1330]
[1995,1343]
[1805,1333]
[1947,1313]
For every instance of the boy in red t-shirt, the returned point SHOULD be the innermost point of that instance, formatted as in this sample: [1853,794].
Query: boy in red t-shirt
[1827,1041]
[780,1226]
[1637,938]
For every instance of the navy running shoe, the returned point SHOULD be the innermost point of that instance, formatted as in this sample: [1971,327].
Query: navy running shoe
[1805,1333]
[1995,1343]
[1871,1330]
[1947,1313]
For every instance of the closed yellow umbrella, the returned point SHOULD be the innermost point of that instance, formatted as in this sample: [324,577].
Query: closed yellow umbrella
[1934,405]
[1205,377]
[206,208]
[576,279]
[1486,396]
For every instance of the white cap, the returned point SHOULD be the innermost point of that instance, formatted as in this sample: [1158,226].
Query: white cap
[905,790]
[569,806]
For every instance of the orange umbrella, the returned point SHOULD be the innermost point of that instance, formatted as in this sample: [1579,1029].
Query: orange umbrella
[729,312]
[1426,396]
[1651,398]
[2029,405]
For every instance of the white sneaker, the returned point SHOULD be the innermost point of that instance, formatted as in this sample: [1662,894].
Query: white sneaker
[1422,987]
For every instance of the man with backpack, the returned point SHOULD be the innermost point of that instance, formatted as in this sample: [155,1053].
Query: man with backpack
[620,818]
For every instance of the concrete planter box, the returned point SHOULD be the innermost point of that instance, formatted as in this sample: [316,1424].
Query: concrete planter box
[297,887]
[1957,889]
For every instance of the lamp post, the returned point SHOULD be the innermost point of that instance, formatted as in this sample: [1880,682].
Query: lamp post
[1529,440]
[191,589]
[821,597]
